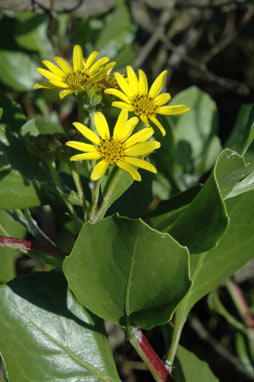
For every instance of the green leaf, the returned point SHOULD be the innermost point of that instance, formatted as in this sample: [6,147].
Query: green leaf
[117,31]
[196,143]
[201,224]
[168,211]
[127,273]
[18,70]
[24,178]
[234,249]
[31,32]
[189,368]
[241,128]
[40,125]
[9,227]
[47,336]
[114,184]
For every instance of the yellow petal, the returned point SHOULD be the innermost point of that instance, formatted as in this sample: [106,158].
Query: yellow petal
[63,65]
[77,58]
[44,85]
[64,93]
[120,126]
[142,148]
[53,68]
[125,87]
[130,126]
[173,110]
[132,79]
[59,84]
[141,163]
[99,170]
[81,146]
[159,125]
[158,84]
[102,61]
[140,136]
[161,99]
[90,60]
[49,75]
[117,93]
[143,84]
[101,125]
[131,170]
[87,133]
[85,156]
[123,105]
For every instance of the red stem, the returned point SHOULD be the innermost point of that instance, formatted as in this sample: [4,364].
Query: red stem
[151,359]
[247,316]
[14,242]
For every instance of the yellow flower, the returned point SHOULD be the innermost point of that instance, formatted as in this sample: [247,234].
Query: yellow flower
[120,149]
[144,103]
[84,72]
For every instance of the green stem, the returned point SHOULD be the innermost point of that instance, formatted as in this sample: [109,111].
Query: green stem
[56,180]
[181,316]
[96,195]
[106,198]
[83,114]
[78,184]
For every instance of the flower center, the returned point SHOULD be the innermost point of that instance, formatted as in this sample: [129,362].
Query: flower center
[111,150]
[77,80]
[144,104]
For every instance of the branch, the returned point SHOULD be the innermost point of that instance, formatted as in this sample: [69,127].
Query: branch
[219,349]
[211,5]
[78,8]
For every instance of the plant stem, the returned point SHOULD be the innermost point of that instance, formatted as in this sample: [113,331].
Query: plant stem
[241,305]
[106,198]
[96,195]
[79,187]
[56,180]
[15,243]
[148,355]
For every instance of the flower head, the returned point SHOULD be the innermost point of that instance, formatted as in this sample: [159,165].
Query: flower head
[121,149]
[84,72]
[144,103]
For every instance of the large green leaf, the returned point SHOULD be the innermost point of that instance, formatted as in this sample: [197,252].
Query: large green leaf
[200,224]
[127,273]
[47,336]
[9,227]
[18,70]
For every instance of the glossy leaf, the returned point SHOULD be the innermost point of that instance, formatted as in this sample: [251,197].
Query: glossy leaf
[127,273]
[47,336]
[18,70]
[9,227]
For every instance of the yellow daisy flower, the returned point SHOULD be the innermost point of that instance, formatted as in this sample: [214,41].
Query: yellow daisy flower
[121,149]
[144,103]
[84,72]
